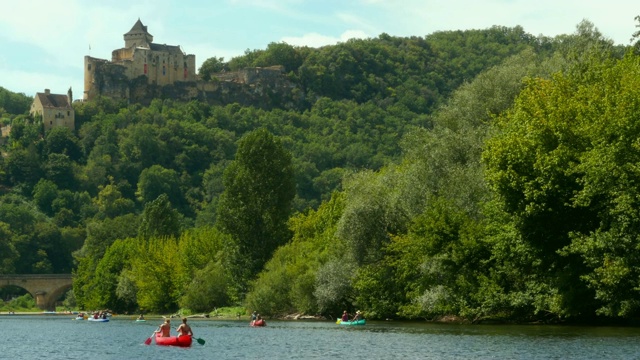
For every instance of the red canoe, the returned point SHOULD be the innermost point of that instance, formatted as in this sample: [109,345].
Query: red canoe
[183,341]
[260,322]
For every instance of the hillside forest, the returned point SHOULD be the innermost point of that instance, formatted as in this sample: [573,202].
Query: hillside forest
[481,174]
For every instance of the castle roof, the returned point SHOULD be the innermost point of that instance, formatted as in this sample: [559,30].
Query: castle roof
[49,100]
[138,28]
[171,49]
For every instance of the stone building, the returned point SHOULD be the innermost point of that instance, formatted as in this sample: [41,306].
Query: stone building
[55,109]
[157,64]
[142,71]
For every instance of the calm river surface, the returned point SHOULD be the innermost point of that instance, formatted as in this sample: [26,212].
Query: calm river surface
[60,337]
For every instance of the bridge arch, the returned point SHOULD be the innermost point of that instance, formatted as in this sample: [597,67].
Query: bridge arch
[45,288]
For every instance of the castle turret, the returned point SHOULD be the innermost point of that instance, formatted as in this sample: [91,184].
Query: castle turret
[138,36]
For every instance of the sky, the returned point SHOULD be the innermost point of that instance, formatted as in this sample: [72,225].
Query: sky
[44,42]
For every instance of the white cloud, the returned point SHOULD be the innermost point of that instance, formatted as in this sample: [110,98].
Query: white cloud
[356,22]
[317,40]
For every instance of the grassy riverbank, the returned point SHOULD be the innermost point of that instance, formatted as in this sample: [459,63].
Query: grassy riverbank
[26,305]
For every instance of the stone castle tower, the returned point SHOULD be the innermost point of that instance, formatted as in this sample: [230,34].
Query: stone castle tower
[140,59]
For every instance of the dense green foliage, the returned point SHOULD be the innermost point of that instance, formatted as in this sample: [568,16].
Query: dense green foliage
[259,187]
[482,174]
[12,103]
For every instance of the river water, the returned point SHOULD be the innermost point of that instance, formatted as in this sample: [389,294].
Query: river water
[60,337]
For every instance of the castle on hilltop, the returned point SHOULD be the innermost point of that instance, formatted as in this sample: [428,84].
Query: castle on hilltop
[143,70]
[160,64]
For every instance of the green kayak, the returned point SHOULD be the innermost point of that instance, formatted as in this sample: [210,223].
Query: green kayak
[357,322]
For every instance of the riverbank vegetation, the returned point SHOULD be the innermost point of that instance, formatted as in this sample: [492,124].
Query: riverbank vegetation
[485,174]
[24,303]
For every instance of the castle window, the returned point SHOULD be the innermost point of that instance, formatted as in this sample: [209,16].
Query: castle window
[68,113]
[89,67]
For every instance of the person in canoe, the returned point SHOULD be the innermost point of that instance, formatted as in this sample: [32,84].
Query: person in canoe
[357,316]
[165,328]
[254,315]
[141,317]
[345,316]
[184,328]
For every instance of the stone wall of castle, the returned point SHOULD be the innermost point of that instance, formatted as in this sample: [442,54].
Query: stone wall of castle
[251,75]
[104,78]
[261,87]
[157,68]
[160,67]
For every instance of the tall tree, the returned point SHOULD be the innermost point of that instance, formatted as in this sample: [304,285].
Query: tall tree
[256,203]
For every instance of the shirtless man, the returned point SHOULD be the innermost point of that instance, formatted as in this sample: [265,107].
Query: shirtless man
[184,329]
[165,328]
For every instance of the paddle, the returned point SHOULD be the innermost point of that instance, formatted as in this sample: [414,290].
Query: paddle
[148,341]
[199,340]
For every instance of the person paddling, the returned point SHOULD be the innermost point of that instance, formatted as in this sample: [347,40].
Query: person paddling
[184,328]
[165,328]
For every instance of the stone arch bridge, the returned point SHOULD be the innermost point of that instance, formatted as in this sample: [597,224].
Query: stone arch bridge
[45,288]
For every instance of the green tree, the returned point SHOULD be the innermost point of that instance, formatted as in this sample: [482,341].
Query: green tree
[111,203]
[23,167]
[559,165]
[280,54]
[60,169]
[100,236]
[256,203]
[8,253]
[211,66]
[159,219]
[208,289]
[153,261]
[297,277]
[25,132]
[44,193]
[155,181]
[14,103]
[111,275]
[60,140]
[636,34]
